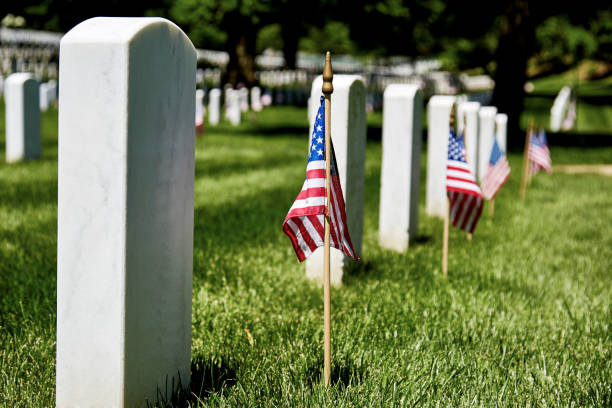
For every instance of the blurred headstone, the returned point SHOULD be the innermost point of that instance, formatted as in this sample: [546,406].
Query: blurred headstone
[486,127]
[22,117]
[438,115]
[214,106]
[199,110]
[43,97]
[501,121]
[400,169]
[256,99]
[467,119]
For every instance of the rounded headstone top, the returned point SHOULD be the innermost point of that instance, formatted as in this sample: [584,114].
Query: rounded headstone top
[501,117]
[487,111]
[19,78]
[395,90]
[442,100]
[117,29]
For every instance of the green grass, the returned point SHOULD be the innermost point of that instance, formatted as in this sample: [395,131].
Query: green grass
[522,320]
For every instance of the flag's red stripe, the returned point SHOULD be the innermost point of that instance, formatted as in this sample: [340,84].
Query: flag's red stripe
[450,167]
[305,234]
[318,173]
[296,247]
[301,212]
[311,192]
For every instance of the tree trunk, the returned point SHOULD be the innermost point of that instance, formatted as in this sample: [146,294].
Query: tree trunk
[516,45]
[241,48]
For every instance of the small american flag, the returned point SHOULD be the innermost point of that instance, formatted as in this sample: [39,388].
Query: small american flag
[497,173]
[538,152]
[465,196]
[304,224]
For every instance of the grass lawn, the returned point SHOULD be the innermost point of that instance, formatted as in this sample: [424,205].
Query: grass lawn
[522,320]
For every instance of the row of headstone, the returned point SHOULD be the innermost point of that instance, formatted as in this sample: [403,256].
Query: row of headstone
[126,171]
[480,124]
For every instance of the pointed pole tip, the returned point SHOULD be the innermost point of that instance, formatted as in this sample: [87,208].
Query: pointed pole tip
[328,75]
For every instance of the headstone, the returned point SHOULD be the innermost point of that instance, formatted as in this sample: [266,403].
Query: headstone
[232,106]
[348,131]
[256,99]
[125,212]
[214,106]
[560,105]
[467,120]
[486,126]
[438,115]
[52,91]
[501,120]
[199,110]
[43,97]
[22,117]
[243,97]
[400,169]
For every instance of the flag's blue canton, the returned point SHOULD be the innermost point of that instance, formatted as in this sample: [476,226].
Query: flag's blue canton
[496,153]
[456,150]
[539,140]
[317,147]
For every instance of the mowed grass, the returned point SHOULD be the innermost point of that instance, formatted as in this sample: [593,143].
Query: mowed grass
[522,320]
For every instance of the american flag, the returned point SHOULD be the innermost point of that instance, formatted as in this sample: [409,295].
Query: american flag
[497,173]
[465,196]
[304,223]
[538,152]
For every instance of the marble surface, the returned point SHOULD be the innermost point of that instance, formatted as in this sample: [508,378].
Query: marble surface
[400,168]
[214,106]
[501,121]
[43,98]
[348,130]
[438,114]
[22,114]
[232,106]
[486,125]
[199,108]
[256,99]
[125,211]
[467,120]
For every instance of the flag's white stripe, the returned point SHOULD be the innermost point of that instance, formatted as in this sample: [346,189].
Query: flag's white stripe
[459,164]
[314,183]
[301,241]
[314,234]
[464,185]
[460,174]
[316,165]
[308,202]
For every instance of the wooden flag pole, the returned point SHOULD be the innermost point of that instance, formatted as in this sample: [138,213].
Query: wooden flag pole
[468,235]
[327,89]
[524,175]
[445,232]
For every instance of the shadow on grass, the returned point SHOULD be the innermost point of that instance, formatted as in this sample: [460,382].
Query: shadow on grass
[207,378]
[343,374]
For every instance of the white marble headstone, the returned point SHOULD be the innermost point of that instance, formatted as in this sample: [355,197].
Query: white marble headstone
[560,105]
[125,212]
[21,92]
[243,96]
[199,108]
[43,97]
[438,115]
[232,106]
[348,131]
[486,120]
[400,169]
[214,106]
[501,121]
[256,99]
[467,122]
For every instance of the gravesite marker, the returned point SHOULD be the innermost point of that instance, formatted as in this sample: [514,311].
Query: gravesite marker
[400,168]
[438,113]
[214,106]
[486,126]
[22,93]
[467,118]
[348,125]
[125,212]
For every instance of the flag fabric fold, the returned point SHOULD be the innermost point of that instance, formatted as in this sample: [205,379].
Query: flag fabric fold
[304,223]
[538,153]
[497,172]
[463,191]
